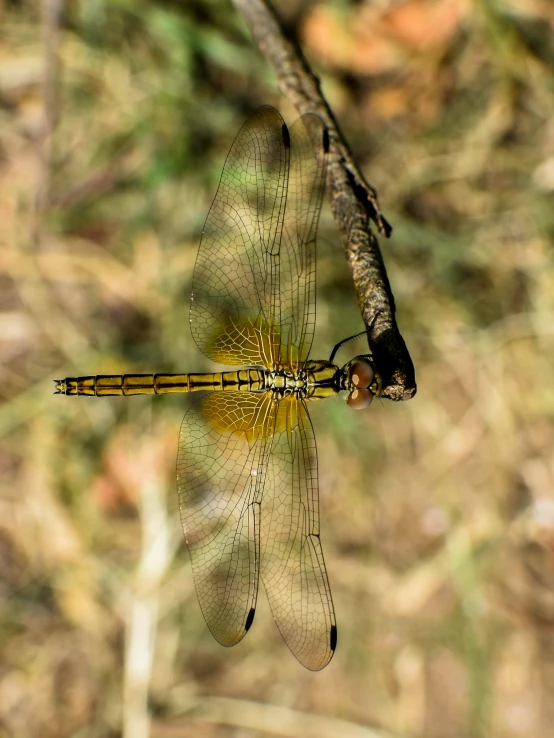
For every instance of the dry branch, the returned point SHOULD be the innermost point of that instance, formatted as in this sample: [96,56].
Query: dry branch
[353,202]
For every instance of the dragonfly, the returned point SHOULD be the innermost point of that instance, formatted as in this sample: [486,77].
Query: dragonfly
[247,474]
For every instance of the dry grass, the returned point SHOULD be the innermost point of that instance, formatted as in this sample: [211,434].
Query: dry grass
[438,514]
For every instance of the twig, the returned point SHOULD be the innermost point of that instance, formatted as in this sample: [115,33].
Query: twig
[142,617]
[353,202]
[265,718]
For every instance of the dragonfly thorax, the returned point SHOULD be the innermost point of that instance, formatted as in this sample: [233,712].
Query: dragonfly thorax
[284,382]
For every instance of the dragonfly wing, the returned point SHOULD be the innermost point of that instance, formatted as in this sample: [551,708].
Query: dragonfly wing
[221,471]
[253,293]
[292,566]
[236,275]
[297,263]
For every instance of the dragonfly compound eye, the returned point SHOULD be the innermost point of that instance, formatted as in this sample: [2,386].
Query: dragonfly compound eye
[361,374]
[360,399]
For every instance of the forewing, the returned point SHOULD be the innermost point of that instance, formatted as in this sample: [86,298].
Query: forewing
[221,472]
[253,296]
[235,287]
[297,257]
[292,566]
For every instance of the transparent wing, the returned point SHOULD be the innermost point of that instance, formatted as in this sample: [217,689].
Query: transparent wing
[292,566]
[297,264]
[253,295]
[221,471]
[247,481]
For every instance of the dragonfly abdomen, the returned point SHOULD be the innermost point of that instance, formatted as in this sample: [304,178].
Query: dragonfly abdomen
[243,380]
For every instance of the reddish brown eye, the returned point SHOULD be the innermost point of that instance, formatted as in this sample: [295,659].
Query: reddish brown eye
[359,399]
[361,374]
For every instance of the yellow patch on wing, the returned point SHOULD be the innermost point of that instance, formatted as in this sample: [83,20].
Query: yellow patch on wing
[250,416]
[247,415]
[246,342]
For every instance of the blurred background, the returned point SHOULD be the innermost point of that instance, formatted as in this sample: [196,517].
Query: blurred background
[437,514]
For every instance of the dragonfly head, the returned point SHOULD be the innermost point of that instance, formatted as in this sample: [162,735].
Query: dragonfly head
[360,382]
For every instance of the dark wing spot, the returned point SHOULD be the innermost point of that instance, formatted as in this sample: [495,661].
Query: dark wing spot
[333,634]
[250,620]
[286,136]
[325,140]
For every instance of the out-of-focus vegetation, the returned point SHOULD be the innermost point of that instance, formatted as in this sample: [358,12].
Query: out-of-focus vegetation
[437,514]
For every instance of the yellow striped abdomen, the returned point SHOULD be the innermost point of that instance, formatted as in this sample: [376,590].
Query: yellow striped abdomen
[244,380]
